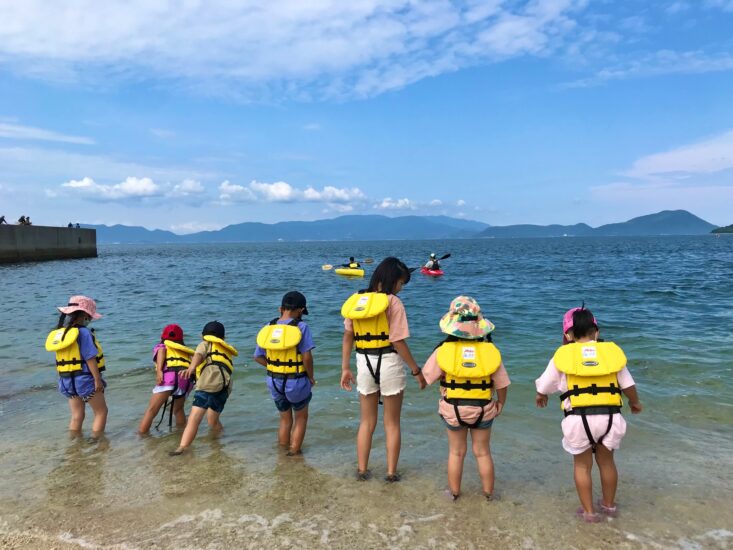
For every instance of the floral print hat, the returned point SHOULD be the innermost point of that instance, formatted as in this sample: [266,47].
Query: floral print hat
[464,319]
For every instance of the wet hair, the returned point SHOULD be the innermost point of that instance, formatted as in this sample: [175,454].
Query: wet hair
[583,324]
[351,258]
[388,273]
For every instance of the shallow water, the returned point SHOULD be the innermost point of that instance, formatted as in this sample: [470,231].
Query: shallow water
[667,301]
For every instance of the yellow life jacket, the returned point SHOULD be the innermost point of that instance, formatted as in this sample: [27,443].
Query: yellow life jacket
[354,265]
[468,366]
[177,356]
[280,343]
[591,369]
[63,341]
[220,354]
[368,312]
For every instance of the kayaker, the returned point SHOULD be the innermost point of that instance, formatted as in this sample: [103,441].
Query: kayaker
[433,264]
[353,264]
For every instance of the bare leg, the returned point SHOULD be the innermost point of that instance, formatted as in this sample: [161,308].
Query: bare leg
[192,427]
[212,417]
[583,482]
[456,454]
[301,423]
[178,411]
[286,425]
[76,405]
[609,475]
[368,406]
[157,400]
[392,434]
[99,407]
[480,440]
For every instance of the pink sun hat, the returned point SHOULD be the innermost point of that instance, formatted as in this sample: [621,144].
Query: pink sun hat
[464,319]
[81,303]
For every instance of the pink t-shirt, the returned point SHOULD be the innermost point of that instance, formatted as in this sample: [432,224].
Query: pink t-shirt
[396,319]
[432,373]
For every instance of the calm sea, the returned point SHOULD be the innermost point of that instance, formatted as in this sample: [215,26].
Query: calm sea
[667,301]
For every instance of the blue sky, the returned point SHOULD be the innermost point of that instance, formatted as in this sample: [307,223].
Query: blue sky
[195,115]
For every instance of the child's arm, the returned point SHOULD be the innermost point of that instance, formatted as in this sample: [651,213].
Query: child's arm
[347,345]
[94,370]
[633,398]
[195,362]
[160,357]
[308,366]
[261,360]
[403,351]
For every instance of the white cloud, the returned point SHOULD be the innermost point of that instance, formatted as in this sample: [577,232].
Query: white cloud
[286,48]
[17,132]
[398,204]
[130,188]
[436,202]
[726,5]
[460,202]
[186,188]
[709,156]
[312,127]
[334,194]
[232,192]
[194,227]
[281,191]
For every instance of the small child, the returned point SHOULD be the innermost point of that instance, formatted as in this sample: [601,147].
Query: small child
[597,373]
[171,358]
[468,366]
[80,362]
[284,348]
[376,324]
[212,365]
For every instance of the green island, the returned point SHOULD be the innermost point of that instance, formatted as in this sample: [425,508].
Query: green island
[726,229]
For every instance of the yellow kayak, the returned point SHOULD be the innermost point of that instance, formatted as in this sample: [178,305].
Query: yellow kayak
[349,272]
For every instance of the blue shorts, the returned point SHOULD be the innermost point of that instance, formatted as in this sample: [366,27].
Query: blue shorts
[81,385]
[283,405]
[484,425]
[213,401]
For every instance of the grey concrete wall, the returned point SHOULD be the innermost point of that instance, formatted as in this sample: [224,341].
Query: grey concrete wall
[30,243]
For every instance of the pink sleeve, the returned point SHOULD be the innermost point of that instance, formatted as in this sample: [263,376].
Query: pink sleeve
[431,371]
[550,380]
[624,379]
[500,378]
[348,325]
[397,320]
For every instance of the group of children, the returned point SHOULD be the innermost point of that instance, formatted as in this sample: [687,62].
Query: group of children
[590,374]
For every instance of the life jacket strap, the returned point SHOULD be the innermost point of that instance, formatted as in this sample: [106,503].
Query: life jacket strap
[592,410]
[368,337]
[467,402]
[281,375]
[65,362]
[376,351]
[281,363]
[592,389]
[467,385]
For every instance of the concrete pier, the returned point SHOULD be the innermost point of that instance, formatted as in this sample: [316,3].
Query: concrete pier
[33,243]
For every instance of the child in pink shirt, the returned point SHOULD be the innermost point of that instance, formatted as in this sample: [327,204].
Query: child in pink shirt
[470,371]
[593,423]
[376,324]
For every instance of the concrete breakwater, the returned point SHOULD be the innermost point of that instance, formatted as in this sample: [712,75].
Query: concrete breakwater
[31,243]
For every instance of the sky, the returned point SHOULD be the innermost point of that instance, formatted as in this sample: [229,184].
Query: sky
[193,115]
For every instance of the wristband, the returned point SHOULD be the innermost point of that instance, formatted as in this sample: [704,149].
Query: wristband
[416,373]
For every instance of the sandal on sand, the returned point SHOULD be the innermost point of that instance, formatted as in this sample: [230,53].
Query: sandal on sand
[177,452]
[609,511]
[490,497]
[393,478]
[451,495]
[363,476]
[588,517]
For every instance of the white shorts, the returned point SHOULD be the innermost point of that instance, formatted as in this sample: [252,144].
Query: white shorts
[392,378]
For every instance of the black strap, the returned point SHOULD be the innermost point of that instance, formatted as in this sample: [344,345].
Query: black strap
[466,424]
[283,375]
[592,389]
[376,373]
[64,362]
[376,351]
[467,385]
[593,410]
[594,444]
[288,363]
[368,337]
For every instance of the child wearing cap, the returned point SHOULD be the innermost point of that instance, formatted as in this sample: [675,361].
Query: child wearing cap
[80,363]
[170,357]
[212,366]
[597,375]
[284,348]
[473,389]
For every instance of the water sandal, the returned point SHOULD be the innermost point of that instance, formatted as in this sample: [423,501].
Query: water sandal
[588,517]
[393,478]
[490,497]
[363,476]
[609,511]
[177,452]
[294,453]
[450,495]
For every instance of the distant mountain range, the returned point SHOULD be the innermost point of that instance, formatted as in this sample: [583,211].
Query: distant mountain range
[372,227]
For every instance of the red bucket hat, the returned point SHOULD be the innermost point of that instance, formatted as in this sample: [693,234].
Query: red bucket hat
[172,332]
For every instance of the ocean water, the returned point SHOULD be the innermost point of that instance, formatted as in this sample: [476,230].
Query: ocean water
[667,301]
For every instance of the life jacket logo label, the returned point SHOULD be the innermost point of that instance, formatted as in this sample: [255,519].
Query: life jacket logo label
[589,352]
[363,301]
[590,363]
[468,356]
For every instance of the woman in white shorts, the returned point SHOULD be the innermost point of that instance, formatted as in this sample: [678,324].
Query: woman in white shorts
[376,324]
